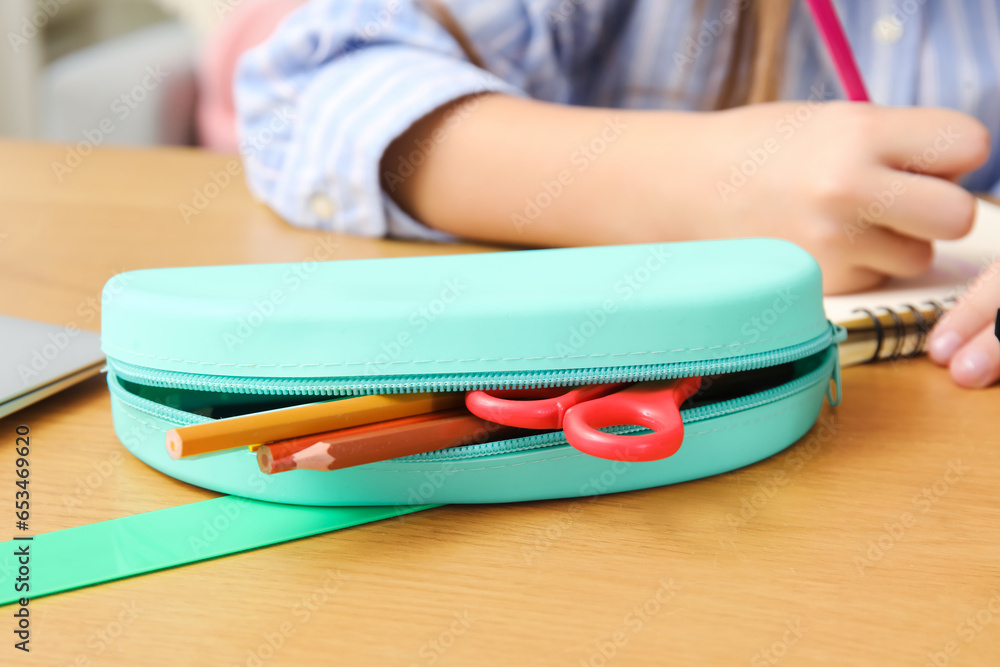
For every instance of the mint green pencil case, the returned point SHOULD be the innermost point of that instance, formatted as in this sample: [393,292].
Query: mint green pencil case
[188,345]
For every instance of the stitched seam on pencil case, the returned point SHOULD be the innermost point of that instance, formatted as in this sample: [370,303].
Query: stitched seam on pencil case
[111,346]
[128,413]
[791,407]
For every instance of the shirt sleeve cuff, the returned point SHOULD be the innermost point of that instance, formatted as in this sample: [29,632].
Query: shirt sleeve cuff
[329,171]
[401,225]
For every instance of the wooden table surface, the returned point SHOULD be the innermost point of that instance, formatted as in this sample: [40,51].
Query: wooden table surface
[875,540]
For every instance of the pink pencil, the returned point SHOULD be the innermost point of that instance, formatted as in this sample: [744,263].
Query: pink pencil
[839,48]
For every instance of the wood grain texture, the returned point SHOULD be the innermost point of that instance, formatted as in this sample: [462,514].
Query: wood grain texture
[869,542]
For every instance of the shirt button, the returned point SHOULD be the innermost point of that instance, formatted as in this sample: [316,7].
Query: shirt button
[321,206]
[888,29]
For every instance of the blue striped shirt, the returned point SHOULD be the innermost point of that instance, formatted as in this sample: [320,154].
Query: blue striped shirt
[320,101]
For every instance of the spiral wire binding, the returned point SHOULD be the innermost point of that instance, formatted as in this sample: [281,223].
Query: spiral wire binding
[879,332]
[923,328]
[898,330]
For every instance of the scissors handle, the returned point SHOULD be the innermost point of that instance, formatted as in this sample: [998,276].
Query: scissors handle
[541,408]
[655,405]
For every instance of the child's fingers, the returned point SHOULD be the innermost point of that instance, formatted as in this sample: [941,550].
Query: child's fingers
[976,310]
[893,254]
[924,207]
[941,142]
[977,363]
[850,279]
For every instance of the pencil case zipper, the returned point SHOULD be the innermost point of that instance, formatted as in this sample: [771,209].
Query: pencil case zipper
[506,380]
[387,384]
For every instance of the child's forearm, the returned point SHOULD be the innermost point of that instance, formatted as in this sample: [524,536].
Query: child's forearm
[518,171]
[850,183]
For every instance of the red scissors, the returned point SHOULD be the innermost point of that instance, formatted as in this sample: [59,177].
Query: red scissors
[582,411]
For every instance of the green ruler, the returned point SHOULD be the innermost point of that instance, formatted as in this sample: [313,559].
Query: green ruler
[87,555]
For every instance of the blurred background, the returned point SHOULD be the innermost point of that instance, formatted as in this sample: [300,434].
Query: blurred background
[127,72]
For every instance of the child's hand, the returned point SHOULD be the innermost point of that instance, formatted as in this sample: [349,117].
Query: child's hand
[837,179]
[964,340]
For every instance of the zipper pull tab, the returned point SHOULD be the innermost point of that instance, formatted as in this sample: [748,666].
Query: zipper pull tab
[831,398]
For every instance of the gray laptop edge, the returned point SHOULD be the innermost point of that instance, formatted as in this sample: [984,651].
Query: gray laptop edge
[38,359]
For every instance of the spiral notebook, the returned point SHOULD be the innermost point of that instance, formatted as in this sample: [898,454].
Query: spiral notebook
[903,310]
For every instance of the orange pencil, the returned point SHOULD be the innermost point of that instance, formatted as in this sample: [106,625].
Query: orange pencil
[302,420]
[380,442]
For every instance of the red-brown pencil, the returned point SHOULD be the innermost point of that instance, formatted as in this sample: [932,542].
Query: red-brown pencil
[391,439]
